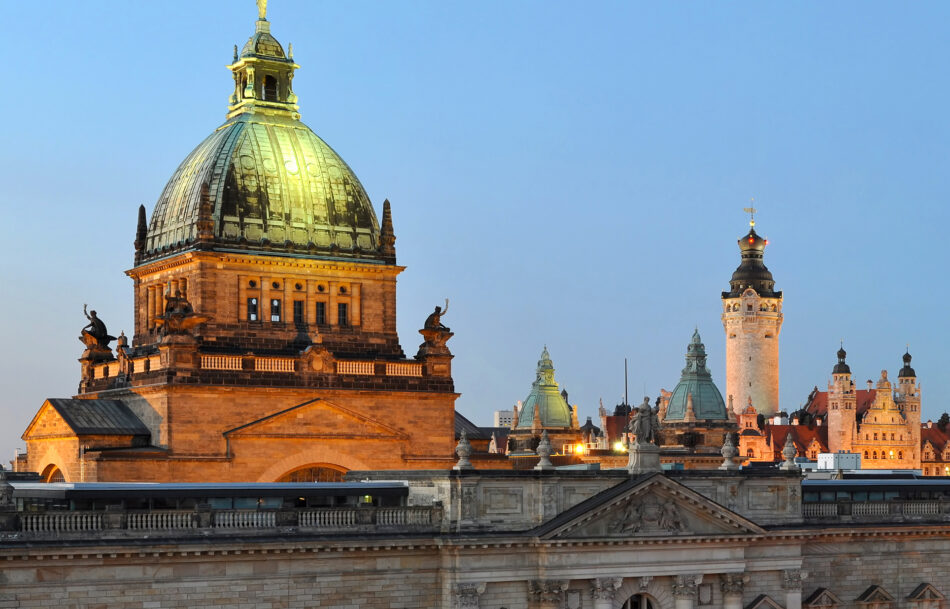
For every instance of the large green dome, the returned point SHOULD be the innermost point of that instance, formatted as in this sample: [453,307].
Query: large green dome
[545,399]
[272,185]
[696,389]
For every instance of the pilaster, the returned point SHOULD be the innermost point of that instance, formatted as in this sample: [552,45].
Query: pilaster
[684,590]
[792,584]
[731,585]
[467,595]
[547,593]
[603,591]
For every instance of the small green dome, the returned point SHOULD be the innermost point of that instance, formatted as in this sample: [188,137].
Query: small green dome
[545,396]
[696,381]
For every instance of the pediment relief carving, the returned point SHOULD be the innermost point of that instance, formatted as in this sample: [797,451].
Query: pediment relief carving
[657,508]
[822,598]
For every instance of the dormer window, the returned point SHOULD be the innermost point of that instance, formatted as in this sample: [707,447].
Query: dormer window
[270,89]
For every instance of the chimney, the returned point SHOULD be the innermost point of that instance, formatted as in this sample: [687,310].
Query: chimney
[870,385]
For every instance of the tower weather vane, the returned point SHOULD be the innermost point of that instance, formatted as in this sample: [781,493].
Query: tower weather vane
[751,211]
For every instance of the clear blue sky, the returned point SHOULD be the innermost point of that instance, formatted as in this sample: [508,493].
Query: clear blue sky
[570,174]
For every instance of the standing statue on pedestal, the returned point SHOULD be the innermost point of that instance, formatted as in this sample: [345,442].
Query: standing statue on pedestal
[94,335]
[644,456]
[644,424]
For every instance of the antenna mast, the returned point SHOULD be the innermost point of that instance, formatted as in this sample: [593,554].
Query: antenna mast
[626,397]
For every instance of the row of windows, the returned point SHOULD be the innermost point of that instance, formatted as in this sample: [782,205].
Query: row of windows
[883,436]
[884,455]
[299,317]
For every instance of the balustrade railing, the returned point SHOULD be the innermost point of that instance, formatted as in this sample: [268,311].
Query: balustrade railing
[221,362]
[273,364]
[162,520]
[330,518]
[63,522]
[402,369]
[360,368]
[244,519]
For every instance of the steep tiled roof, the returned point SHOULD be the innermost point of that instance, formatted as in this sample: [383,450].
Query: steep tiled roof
[802,436]
[936,437]
[818,401]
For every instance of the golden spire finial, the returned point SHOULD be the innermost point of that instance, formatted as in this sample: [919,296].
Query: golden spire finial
[751,211]
[262,10]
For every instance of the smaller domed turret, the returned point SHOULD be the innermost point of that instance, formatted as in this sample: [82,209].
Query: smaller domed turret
[841,367]
[907,371]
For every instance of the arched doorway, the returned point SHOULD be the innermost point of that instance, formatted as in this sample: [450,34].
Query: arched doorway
[640,601]
[52,474]
[321,472]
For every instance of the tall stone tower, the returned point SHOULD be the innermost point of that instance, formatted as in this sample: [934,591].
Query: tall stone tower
[752,318]
[842,407]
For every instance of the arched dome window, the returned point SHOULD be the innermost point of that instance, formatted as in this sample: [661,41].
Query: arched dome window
[270,88]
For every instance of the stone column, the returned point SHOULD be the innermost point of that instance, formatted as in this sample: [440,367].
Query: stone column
[466,595]
[547,593]
[603,590]
[684,590]
[792,583]
[731,585]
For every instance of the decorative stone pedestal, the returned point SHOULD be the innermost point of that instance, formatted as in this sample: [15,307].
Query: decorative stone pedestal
[644,459]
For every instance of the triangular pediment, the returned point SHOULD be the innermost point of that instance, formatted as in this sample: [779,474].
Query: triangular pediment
[763,601]
[925,592]
[821,597]
[651,506]
[875,594]
[317,419]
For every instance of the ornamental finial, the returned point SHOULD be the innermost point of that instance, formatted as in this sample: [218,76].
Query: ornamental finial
[751,211]
[262,10]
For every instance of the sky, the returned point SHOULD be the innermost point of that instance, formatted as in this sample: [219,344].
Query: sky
[567,174]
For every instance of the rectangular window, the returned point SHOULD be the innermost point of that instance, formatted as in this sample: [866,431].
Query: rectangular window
[252,309]
[342,319]
[321,313]
[298,312]
[275,309]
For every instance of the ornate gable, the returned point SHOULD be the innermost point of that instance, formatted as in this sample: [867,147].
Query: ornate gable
[875,597]
[763,601]
[654,506]
[822,598]
[925,596]
[317,419]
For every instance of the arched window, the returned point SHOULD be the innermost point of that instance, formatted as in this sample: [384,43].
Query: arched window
[750,453]
[639,601]
[874,455]
[314,473]
[270,88]
[865,454]
[900,454]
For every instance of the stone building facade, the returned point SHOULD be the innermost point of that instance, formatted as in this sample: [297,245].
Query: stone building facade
[513,540]
[265,341]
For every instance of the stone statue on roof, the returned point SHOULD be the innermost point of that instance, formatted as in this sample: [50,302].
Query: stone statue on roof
[94,335]
[434,320]
[644,424]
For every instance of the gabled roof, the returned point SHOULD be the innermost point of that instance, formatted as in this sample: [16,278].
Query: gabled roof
[315,425]
[818,401]
[802,436]
[821,597]
[97,417]
[763,601]
[938,439]
[472,430]
[649,505]
[925,592]
[875,594]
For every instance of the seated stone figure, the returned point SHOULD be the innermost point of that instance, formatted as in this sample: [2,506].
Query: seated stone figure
[94,335]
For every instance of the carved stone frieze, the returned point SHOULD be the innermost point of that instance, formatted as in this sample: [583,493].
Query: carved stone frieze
[731,583]
[792,579]
[605,588]
[648,514]
[548,592]
[684,586]
[466,595]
